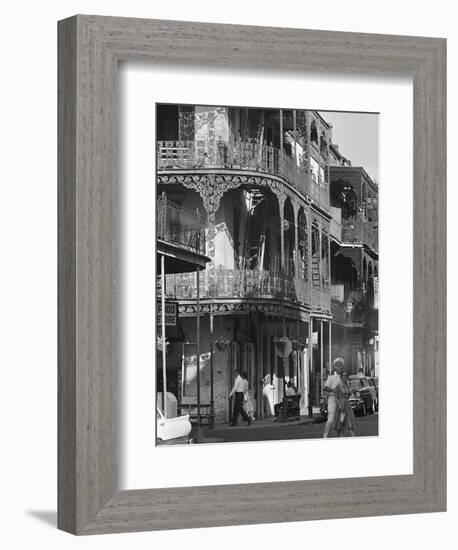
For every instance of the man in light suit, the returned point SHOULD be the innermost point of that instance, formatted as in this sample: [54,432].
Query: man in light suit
[238,392]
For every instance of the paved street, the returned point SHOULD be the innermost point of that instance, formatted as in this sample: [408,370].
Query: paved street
[268,429]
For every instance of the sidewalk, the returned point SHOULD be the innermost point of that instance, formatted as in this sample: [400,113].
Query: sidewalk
[263,429]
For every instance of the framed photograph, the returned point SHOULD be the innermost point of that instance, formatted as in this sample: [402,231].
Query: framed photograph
[252,264]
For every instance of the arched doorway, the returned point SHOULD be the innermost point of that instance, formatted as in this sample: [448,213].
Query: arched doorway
[302,233]
[289,238]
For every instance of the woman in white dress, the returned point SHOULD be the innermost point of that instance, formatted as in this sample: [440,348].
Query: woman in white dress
[330,389]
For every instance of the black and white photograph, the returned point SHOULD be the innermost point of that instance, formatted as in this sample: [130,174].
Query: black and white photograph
[201,344]
[267,274]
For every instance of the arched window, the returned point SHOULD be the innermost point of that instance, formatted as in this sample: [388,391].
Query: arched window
[370,283]
[323,146]
[324,259]
[344,196]
[316,255]
[289,237]
[313,132]
[303,245]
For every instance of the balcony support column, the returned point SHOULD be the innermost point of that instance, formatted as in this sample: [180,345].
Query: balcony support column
[296,236]
[198,436]
[308,145]
[329,259]
[321,359]
[309,255]
[320,263]
[310,370]
[281,206]
[164,346]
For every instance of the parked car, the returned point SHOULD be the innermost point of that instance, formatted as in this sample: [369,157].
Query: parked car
[363,397]
[170,431]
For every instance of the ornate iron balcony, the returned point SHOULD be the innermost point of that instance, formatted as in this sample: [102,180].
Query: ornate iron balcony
[241,155]
[179,226]
[223,283]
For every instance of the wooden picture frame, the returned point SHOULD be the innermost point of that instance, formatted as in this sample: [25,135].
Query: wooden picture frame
[90,48]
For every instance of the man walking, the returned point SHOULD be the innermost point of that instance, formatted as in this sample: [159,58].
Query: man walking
[238,392]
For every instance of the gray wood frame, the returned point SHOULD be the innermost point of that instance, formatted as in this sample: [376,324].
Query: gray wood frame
[90,48]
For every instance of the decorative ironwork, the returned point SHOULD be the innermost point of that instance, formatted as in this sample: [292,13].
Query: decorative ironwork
[180,226]
[211,187]
[237,155]
[355,230]
[242,308]
[235,284]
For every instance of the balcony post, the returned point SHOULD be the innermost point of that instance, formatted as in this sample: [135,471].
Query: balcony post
[320,263]
[281,204]
[321,356]
[212,403]
[280,157]
[308,147]
[164,349]
[309,257]
[199,424]
[310,369]
[296,236]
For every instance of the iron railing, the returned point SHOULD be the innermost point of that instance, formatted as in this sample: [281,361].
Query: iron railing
[353,306]
[180,226]
[241,155]
[227,283]
[359,231]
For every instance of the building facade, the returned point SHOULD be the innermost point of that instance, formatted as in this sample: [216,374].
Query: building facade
[354,266]
[261,178]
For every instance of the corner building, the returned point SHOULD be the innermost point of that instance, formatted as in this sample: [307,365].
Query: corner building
[261,179]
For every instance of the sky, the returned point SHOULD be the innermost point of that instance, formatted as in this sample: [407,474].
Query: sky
[357,135]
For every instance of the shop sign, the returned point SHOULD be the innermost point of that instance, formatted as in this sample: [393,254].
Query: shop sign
[171,314]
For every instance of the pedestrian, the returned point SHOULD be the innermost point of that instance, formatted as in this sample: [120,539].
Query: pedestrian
[247,405]
[290,389]
[238,392]
[344,418]
[329,389]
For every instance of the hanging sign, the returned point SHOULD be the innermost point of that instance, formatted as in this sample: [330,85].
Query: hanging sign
[171,313]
